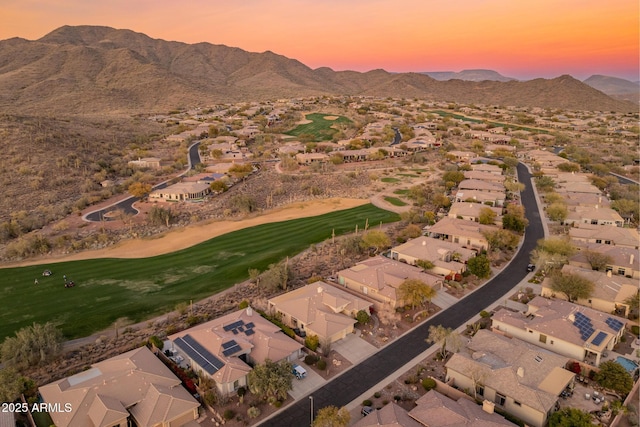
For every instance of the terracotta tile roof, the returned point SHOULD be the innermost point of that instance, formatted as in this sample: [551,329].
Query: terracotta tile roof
[100,394]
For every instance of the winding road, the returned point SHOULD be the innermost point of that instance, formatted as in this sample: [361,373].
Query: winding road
[352,383]
[126,205]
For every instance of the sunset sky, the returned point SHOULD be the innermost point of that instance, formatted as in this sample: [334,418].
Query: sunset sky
[518,38]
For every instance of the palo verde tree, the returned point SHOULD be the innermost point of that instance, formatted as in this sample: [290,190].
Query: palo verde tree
[415,292]
[376,239]
[271,380]
[573,286]
[32,345]
[331,416]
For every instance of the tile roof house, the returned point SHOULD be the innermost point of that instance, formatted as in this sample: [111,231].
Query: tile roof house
[132,387]
[483,197]
[483,167]
[521,379]
[390,415]
[447,257]
[379,278]
[320,309]
[182,191]
[485,176]
[466,233]
[226,347]
[437,410]
[471,211]
[572,330]
[479,185]
[609,293]
[615,236]
[624,260]
[593,216]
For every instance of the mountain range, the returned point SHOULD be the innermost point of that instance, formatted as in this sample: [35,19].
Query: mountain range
[94,69]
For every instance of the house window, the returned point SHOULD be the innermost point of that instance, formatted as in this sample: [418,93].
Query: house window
[607,242]
[607,268]
[551,342]
[543,338]
[480,390]
[236,384]
[594,222]
[515,402]
[598,240]
[621,271]
[500,399]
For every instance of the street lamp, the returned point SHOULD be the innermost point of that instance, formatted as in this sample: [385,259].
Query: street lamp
[311,399]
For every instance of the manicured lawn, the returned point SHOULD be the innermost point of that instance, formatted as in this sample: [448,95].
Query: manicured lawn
[320,128]
[395,201]
[410,175]
[108,289]
[390,180]
[402,191]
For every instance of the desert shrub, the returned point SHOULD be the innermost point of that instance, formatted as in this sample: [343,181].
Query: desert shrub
[484,314]
[322,364]
[312,342]
[253,412]
[362,317]
[367,402]
[193,320]
[310,359]
[228,414]
[377,394]
[428,384]
[243,304]
[157,342]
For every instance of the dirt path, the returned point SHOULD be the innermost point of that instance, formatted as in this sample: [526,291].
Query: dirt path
[185,237]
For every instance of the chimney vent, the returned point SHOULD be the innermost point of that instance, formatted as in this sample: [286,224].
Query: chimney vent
[488,406]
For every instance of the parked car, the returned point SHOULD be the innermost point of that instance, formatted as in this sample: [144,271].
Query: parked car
[366,410]
[299,371]
[531,267]
[47,273]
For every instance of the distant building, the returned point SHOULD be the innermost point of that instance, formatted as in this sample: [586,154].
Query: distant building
[181,192]
[146,162]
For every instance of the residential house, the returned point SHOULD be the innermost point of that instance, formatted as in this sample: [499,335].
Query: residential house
[471,211]
[520,379]
[134,388]
[475,196]
[624,260]
[147,162]
[484,167]
[310,158]
[478,185]
[484,176]
[226,348]
[379,278]
[616,236]
[434,409]
[462,156]
[320,309]
[594,216]
[390,415]
[609,293]
[448,258]
[586,199]
[572,330]
[181,192]
[468,234]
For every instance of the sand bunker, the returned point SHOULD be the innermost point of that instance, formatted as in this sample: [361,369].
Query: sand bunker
[331,117]
[192,235]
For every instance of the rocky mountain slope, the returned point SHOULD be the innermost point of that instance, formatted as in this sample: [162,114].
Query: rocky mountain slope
[89,69]
[471,75]
[617,88]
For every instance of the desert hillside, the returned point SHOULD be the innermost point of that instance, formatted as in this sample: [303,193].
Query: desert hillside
[88,69]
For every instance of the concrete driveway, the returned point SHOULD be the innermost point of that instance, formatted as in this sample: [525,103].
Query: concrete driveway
[305,386]
[353,348]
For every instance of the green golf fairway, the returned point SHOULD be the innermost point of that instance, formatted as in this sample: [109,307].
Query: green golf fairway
[138,289]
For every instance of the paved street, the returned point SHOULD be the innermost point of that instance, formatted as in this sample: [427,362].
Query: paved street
[352,383]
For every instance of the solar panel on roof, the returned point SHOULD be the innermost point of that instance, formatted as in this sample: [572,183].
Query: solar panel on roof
[231,350]
[599,338]
[614,324]
[235,331]
[201,356]
[249,332]
[249,325]
[229,344]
